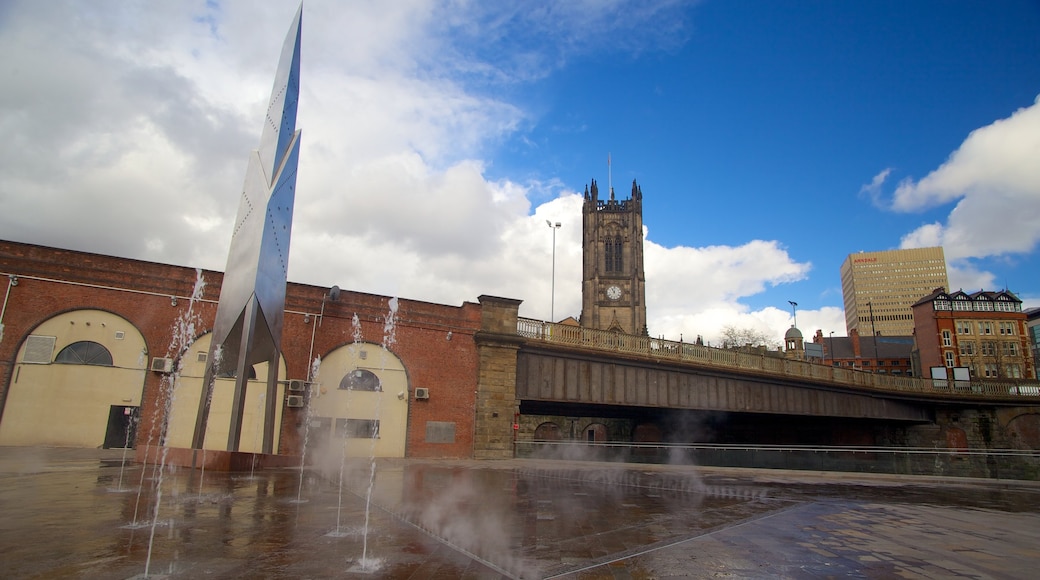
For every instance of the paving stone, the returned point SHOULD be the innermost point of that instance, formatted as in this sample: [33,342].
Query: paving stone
[81,514]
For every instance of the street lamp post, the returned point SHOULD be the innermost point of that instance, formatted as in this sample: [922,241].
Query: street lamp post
[873,329]
[552,297]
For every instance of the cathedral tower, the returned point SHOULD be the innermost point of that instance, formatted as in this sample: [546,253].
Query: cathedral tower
[613,295]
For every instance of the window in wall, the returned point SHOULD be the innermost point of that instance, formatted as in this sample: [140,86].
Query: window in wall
[967,348]
[985,328]
[989,348]
[990,371]
[964,327]
[941,304]
[961,304]
[357,428]
[947,339]
[949,358]
[612,254]
[1009,348]
[1007,328]
[85,352]
[232,373]
[1014,371]
[360,380]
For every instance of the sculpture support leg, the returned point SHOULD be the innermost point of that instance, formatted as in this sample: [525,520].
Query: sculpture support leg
[238,403]
[271,402]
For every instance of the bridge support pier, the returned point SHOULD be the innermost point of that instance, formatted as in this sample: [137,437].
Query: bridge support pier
[496,404]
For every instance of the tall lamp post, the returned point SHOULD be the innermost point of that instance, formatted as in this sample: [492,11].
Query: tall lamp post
[873,329]
[552,297]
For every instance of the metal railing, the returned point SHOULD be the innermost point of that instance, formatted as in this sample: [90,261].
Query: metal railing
[668,350]
[1016,464]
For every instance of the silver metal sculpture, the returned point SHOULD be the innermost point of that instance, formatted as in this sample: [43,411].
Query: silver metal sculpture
[248,327]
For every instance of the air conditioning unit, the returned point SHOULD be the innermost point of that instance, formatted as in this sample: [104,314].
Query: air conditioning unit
[422,393]
[162,364]
[295,401]
[297,385]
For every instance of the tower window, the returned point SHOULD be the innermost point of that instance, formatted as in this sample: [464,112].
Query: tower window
[612,254]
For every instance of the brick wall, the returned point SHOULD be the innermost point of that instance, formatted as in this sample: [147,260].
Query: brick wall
[434,342]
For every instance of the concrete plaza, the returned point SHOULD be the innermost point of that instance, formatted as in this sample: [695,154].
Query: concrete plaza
[82,514]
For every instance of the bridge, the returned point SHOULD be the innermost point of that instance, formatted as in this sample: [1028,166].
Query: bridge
[600,386]
[565,363]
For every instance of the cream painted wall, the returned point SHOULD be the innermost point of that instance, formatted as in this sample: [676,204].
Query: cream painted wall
[68,405]
[184,405]
[390,406]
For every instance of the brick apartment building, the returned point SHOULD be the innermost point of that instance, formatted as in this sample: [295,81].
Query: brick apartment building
[880,354]
[985,332]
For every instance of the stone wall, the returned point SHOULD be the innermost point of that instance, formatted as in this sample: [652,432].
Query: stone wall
[496,404]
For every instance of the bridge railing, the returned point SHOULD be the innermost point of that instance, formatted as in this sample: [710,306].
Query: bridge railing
[1014,464]
[605,341]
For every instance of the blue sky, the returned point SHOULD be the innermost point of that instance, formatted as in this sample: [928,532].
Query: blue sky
[771,139]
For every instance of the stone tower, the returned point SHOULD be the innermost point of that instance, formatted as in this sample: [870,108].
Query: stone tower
[613,294]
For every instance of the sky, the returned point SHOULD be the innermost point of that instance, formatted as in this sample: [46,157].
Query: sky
[771,139]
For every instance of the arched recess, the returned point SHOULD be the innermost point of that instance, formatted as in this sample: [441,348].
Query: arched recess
[184,405]
[548,431]
[359,404]
[595,433]
[80,401]
[1024,430]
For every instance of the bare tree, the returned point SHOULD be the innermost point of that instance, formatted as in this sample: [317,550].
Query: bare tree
[733,337]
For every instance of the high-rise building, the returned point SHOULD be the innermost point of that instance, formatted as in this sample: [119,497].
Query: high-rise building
[613,287]
[880,287]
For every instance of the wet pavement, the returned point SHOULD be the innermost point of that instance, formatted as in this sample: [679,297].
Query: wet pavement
[81,514]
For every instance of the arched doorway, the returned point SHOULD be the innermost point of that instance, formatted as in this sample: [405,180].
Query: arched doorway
[595,433]
[359,403]
[77,382]
[184,406]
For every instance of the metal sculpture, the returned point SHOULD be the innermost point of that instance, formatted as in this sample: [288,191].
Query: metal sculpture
[248,327]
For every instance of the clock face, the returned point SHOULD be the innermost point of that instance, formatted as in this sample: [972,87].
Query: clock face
[614,293]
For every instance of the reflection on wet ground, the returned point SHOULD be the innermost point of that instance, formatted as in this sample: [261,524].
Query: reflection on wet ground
[77,514]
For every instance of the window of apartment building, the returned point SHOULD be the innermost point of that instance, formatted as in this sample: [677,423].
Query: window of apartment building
[1014,371]
[947,339]
[962,305]
[989,348]
[1009,348]
[967,348]
[964,327]
[1007,328]
[941,304]
[985,328]
[990,371]
[1004,305]
[984,306]
[949,359]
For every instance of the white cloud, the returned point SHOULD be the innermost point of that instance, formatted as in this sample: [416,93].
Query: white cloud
[127,128]
[994,178]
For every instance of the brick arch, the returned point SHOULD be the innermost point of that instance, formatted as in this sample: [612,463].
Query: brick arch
[1024,429]
[548,431]
[647,433]
[595,432]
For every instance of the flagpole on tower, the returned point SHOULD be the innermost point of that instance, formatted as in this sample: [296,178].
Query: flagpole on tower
[610,184]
